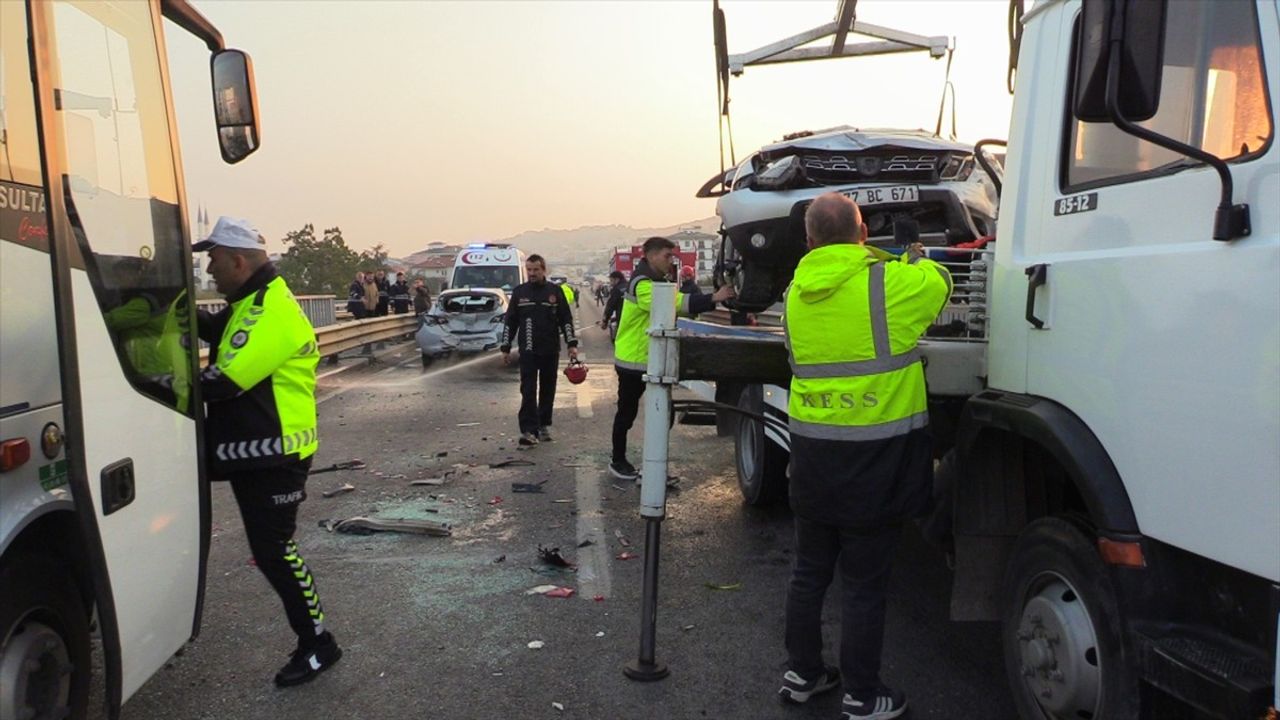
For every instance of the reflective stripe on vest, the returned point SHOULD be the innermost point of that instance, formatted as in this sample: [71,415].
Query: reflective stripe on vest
[884,361]
[842,394]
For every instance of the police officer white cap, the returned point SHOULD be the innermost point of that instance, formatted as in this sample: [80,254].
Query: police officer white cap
[231,232]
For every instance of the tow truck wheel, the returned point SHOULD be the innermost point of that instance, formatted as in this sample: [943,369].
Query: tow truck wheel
[762,465]
[1062,632]
[44,642]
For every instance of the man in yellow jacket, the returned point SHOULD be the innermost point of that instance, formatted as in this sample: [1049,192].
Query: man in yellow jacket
[861,460]
[631,347]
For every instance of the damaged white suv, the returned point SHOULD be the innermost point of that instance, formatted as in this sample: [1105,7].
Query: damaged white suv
[950,191]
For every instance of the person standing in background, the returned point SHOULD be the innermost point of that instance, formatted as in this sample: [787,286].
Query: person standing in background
[384,293]
[400,295]
[370,295]
[355,297]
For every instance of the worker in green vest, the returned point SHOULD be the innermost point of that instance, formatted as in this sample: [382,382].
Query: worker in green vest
[631,348]
[261,426]
[861,460]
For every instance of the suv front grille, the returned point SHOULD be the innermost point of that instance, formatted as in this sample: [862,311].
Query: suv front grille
[834,168]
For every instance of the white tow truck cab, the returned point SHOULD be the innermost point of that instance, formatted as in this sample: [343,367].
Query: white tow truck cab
[104,510]
[1108,423]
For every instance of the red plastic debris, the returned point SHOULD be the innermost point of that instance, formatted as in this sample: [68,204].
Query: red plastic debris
[496,500]
[628,555]
[560,592]
[598,598]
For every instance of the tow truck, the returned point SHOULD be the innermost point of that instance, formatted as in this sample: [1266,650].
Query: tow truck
[1105,384]
[104,508]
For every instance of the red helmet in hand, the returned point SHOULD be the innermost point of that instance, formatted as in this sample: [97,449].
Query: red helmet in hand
[686,272]
[576,371]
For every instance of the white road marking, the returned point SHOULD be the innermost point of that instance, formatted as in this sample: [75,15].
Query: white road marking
[594,575]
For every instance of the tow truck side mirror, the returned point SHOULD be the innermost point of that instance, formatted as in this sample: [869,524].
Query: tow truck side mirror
[235,104]
[1134,28]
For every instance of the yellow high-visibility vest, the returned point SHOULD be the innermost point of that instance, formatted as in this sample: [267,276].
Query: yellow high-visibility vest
[853,317]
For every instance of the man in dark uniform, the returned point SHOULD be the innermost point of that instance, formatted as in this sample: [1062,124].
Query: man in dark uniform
[613,306]
[261,427]
[536,316]
[355,297]
[400,295]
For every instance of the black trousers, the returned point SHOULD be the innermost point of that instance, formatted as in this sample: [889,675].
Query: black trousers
[537,390]
[630,390]
[269,500]
[864,557]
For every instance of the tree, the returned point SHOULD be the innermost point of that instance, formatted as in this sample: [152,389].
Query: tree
[318,267]
[375,258]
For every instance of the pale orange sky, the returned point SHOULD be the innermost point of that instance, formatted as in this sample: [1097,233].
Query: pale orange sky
[406,122]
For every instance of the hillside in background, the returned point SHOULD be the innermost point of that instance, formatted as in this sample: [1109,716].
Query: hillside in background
[596,239]
[584,244]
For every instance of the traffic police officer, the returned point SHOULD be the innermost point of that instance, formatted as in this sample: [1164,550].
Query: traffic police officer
[261,426]
[861,460]
[631,348]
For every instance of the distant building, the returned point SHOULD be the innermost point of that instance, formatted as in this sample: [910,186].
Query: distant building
[702,245]
[434,269]
[204,281]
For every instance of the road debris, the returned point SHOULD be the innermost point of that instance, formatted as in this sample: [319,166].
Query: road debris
[497,500]
[627,555]
[687,628]
[428,481]
[598,598]
[540,589]
[724,586]
[511,462]
[560,592]
[619,488]
[600,634]
[500,558]
[537,645]
[361,525]
[353,464]
[585,543]
[552,556]
[344,488]
[562,501]
[622,539]
[558,706]
[467,424]
[527,487]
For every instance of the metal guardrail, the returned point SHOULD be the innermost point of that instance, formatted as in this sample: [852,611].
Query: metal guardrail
[356,333]
[319,309]
[340,337]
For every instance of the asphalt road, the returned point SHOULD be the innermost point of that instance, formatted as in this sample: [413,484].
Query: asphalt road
[439,627]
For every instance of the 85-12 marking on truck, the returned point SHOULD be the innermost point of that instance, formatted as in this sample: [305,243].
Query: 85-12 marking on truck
[1073,204]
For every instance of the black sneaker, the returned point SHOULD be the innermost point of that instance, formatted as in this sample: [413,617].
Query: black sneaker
[307,663]
[796,689]
[544,435]
[623,470]
[528,439]
[886,704]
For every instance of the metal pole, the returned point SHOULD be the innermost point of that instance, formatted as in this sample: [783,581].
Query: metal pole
[661,375]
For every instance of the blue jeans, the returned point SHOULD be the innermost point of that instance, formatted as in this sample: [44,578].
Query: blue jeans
[864,557]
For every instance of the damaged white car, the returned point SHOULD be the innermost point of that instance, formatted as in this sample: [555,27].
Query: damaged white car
[950,190]
[462,321]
